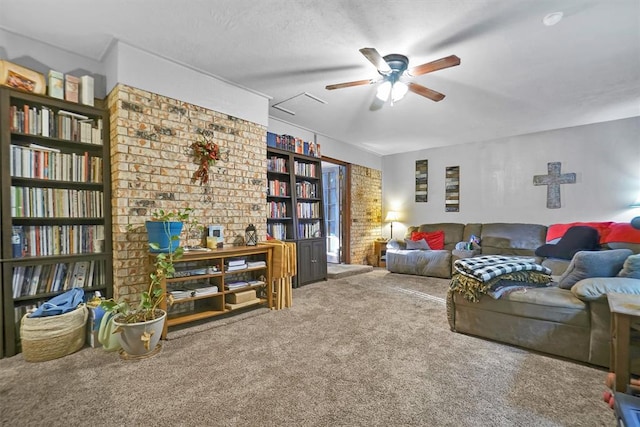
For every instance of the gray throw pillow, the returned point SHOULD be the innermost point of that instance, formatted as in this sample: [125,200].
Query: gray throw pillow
[631,267]
[418,244]
[585,264]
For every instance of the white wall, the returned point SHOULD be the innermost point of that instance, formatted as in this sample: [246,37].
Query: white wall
[42,57]
[129,65]
[329,147]
[496,177]
[144,70]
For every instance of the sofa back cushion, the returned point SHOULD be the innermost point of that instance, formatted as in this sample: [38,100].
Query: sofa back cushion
[586,264]
[452,232]
[511,238]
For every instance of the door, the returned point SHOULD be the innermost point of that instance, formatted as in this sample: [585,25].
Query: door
[334,186]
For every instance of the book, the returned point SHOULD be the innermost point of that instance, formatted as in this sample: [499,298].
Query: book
[56,84]
[255,264]
[235,262]
[86,90]
[236,267]
[71,88]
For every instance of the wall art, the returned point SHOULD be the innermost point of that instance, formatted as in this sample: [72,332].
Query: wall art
[422,176]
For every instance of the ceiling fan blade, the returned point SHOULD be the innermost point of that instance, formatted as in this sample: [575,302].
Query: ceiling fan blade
[376,59]
[449,61]
[349,84]
[426,92]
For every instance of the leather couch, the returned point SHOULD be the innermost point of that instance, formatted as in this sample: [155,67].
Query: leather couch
[496,238]
[572,323]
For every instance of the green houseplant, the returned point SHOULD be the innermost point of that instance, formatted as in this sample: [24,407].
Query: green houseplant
[140,326]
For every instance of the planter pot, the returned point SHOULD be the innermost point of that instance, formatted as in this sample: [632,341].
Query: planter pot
[130,335]
[162,232]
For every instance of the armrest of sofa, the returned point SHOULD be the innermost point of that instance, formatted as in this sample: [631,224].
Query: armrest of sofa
[396,244]
[595,288]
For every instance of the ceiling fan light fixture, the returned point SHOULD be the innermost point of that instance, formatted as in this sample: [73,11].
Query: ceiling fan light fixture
[383,91]
[398,91]
[552,18]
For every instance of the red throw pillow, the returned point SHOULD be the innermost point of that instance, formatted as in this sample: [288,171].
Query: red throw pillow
[435,240]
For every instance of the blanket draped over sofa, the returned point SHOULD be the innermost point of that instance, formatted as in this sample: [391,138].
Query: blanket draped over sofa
[476,276]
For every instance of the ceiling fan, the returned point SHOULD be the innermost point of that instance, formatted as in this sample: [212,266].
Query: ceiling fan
[391,68]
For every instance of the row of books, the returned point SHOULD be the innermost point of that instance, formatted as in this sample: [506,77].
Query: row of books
[278,188]
[277,231]
[277,164]
[38,202]
[309,229]
[308,210]
[46,278]
[45,240]
[230,286]
[291,143]
[44,121]
[305,169]
[306,189]
[192,290]
[40,162]
[276,210]
[235,264]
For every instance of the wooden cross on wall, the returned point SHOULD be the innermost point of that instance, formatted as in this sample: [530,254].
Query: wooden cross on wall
[553,180]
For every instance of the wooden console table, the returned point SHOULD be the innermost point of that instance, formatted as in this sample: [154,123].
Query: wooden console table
[624,308]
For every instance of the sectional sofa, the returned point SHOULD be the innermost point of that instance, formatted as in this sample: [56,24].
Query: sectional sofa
[572,321]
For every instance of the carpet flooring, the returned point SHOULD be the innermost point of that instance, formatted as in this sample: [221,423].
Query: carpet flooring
[372,349]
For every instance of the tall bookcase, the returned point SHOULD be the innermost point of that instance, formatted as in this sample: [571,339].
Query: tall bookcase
[295,208]
[56,204]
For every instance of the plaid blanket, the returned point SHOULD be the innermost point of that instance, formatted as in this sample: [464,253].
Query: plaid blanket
[485,268]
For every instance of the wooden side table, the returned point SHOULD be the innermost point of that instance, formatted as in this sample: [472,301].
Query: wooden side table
[624,308]
[380,252]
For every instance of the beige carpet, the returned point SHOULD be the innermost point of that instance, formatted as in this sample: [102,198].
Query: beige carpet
[338,271]
[372,349]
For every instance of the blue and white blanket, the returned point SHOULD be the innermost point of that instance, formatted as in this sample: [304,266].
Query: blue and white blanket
[485,268]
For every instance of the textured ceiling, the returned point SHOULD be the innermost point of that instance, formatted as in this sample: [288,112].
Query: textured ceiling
[517,76]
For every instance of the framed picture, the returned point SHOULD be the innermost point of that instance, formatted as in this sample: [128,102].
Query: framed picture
[18,77]
[217,232]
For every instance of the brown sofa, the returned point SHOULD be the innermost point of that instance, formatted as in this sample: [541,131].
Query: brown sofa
[572,323]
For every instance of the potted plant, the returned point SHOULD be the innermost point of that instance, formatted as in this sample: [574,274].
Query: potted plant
[140,326]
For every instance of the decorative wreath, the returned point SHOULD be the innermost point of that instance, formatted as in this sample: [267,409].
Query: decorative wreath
[206,153]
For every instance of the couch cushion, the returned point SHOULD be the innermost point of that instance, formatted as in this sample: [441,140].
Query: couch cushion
[587,264]
[416,244]
[549,303]
[631,267]
[595,288]
[512,239]
[435,239]
[424,263]
[452,232]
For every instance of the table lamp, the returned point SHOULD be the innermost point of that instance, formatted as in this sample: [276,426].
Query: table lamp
[391,217]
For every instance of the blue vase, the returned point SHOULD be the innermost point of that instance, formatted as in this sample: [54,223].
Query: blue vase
[161,232]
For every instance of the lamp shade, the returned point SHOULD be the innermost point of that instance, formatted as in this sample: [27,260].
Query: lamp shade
[392,216]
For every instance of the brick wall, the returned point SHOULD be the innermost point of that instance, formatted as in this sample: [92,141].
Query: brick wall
[152,167]
[366,213]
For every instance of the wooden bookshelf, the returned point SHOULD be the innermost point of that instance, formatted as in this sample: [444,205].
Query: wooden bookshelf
[56,204]
[201,271]
[302,217]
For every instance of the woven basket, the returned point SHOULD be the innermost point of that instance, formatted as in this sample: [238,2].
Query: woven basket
[52,337]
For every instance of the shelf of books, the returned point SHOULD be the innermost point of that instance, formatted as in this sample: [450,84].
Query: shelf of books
[56,211]
[295,206]
[217,281]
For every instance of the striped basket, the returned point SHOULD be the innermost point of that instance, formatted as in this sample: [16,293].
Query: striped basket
[52,337]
